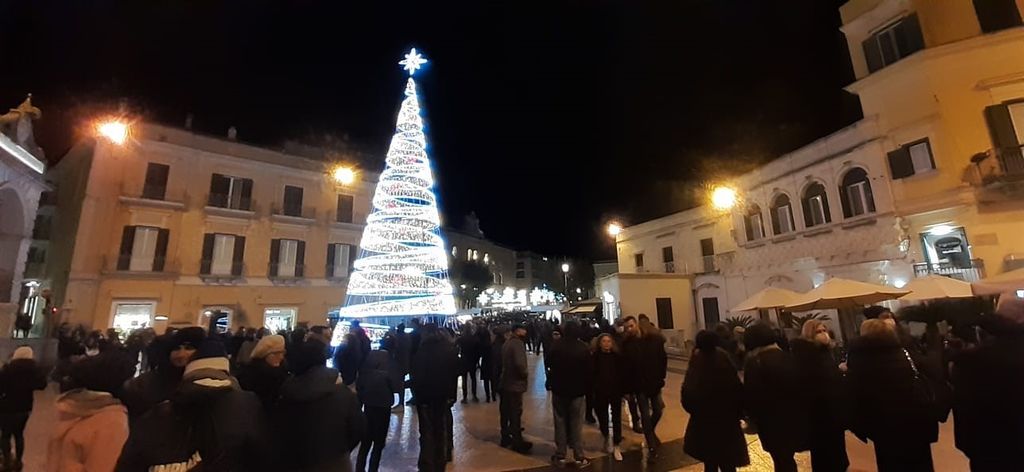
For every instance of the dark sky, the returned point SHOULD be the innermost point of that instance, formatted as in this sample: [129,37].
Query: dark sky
[546,118]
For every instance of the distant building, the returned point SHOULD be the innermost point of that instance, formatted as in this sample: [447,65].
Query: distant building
[535,270]
[179,228]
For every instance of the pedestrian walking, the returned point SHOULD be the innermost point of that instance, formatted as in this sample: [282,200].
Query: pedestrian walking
[513,383]
[824,387]
[376,389]
[469,355]
[19,380]
[568,378]
[484,344]
[435,374]
[773,396]
[644,348]
[607,370]
[887,405]
[168,354]
[988,385]
[713,396]
[401,353]
[265,371]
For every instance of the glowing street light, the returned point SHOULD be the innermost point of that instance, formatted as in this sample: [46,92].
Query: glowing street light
[114,131]
[565,267]
[723,198]
[344,175]
[614,228]
[565,273]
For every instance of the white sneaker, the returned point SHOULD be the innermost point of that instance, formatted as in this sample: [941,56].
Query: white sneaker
[608,446]
[617,453]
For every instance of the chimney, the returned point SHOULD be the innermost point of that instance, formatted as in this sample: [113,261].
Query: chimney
[233,133]
[188,121]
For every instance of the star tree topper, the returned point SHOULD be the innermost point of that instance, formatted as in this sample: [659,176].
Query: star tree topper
[413,61]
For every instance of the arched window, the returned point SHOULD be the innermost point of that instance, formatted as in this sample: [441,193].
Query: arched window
[782,215]
[815,205]
[855,193]
[754,223]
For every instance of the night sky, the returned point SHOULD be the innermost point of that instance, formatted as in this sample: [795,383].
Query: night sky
[546,118]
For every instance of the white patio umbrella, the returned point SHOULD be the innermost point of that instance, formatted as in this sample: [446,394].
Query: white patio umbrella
[936,286]
[1006,282]
[767,299]
[837,293]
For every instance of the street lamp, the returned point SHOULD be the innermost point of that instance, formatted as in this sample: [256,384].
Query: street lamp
[565,273]
[723,198]
[115,131]
[614,228]
[343,175]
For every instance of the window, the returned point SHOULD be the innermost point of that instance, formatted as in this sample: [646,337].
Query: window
[815,206]
[230,192]
[1017,117]
[753,223]
[143,249]
[520,274]
[707,253]
[222,254]
[346,204]
[1006,126]
[292,201]
[638,259]
[664,307]
[921,157]
[469,254]
[996,15]
[155,186]
[782,215]
[455,251]
[910,159]
[286,258]
[892,43]
[855,193]
[339,260]
[520,265]
[487,258]
[667,254]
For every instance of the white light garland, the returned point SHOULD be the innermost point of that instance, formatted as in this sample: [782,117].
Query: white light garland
[402,268]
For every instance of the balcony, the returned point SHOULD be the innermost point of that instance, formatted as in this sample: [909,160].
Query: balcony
[274,273]
[134,194]
[232,207]
[996,168]
[121,266]
[294,214]
[670,267]
[972,271]
[709,263]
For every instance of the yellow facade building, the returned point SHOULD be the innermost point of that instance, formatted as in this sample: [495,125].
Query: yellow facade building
[177,228]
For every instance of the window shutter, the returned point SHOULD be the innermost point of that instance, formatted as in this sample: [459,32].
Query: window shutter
[1000,127]
[246,195]
[351,259]
[776,224]
[300,259]
[160,254]
[909,38]
[871,54]
[345,208]
[219,188]
[869,196]
[748,225]
[805,204]
[331,250]
[824,206]
[900,164]
[275,256]
[207,260]
[124,256]
[238,256]
[844,200]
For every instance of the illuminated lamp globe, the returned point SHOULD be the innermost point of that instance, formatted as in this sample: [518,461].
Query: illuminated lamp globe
[114,131]
[614,229]
[344,175]
[565,267]
[723,198]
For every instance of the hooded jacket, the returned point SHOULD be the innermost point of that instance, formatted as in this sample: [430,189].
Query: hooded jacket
[262,379]
[18,380]
[569,368]
[209,424]
[91,428]
[435,370]
[514,370]
[376,384]
[317,422]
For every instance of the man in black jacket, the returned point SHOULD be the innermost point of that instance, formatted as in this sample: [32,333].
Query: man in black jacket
[644,350]
[513,383]
[435,376]
[568,366]
[170,355]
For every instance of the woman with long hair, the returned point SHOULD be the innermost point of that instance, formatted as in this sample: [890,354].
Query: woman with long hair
[713,396]
[824,387]
[608,366]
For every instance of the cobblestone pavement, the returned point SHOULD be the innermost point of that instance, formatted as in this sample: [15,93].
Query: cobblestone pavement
[476,438]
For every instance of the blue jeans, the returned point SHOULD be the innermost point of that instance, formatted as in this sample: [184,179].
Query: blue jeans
[568,414]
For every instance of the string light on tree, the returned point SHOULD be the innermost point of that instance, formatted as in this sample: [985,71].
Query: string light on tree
[402,268]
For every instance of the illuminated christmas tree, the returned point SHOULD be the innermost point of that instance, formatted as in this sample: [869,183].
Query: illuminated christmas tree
[402,268]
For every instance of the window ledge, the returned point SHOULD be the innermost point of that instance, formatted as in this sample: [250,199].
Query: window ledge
[816,231]
[784,237]
[148,202]
[337,279]
[220,278]
[348,226]
[295,220]
[230,212]
[859,220]
[755,243]
[140,274]
[286,279]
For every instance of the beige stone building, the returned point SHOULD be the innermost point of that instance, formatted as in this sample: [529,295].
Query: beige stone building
[173,227]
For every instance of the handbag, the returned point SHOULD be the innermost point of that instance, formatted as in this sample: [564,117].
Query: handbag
[935,395]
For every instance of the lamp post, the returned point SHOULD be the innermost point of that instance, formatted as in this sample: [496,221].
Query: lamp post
[565,273]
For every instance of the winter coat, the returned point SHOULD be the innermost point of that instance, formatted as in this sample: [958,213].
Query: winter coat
[647,361]
[775,401]
[146,391]
[376,385]
[607,369]
[483,337]
[514,369]
[349,358]
[568,368]
[988,388]
[264,380]
[823,385]
[884,406]
[469,352]
[713,396]
[91,428]
[435,371]
[497,347]
[403,347]
[18,382]
[209,420]
[317,422]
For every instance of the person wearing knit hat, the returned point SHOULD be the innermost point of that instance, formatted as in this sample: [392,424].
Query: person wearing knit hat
[168,355]
[19,379]
[988,382]
[265,371]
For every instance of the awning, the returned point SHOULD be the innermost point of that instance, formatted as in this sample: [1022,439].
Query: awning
[582,309]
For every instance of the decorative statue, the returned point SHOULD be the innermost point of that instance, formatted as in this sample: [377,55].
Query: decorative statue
[17,124]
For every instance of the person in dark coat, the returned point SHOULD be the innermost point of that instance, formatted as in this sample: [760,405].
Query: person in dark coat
[265,372]
[317,419]
[348,357]
[713,396]
[168,355]
[435,377]
[644,349]
[208,424]
[607,369]
[469,354]
[825,389]
[568,367]
[513,383]
[400,353]
[988,385]
[376,389]
[501,334]
[773,397]
[19,380]
[483,338]
[885,405]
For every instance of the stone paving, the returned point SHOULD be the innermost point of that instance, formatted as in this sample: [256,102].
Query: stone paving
[476,438]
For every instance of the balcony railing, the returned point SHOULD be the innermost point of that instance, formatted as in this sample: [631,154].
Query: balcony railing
[670,267]
[220,200]
[997,165]
[294,211]
[274,271]
[122,264]
[206,270]
[139,193]
[710,263]
[971,271]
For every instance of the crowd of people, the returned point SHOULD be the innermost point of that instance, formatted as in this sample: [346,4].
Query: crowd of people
[252,400]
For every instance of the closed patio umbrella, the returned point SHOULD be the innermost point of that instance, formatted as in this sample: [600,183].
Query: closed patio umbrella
[767,299]
[935,287]
[837,293]
[1006,282]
